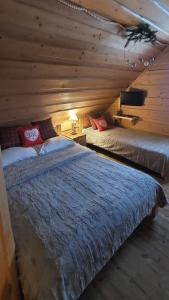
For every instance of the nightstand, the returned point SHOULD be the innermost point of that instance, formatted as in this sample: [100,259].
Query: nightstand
[79,138]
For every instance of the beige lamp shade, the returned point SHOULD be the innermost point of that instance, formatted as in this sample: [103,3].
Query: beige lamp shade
[73,116]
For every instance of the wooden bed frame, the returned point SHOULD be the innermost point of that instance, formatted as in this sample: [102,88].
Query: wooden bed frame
[9,288]
[154,213]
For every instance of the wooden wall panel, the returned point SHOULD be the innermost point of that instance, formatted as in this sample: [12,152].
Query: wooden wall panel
[8,281]
[28,70]
[155,112]
[53,59]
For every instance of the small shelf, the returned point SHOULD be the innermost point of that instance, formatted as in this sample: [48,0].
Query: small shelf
[126,117]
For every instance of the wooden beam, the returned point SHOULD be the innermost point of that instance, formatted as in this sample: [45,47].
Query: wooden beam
[38,86]
[58,116]
[27,70]
[35,52]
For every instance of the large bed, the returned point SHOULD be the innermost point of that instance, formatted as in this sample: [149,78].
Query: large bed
[146,149]
[71,210]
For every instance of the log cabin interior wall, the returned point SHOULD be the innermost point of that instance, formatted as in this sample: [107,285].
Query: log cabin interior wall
[54,59]
[153,116]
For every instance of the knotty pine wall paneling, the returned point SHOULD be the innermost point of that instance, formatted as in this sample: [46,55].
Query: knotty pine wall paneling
[154,115]
[53,59]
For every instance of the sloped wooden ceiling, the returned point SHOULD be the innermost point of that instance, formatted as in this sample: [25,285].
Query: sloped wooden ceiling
[130,12]
[54,59]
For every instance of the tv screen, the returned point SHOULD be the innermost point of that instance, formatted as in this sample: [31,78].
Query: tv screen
[132,98]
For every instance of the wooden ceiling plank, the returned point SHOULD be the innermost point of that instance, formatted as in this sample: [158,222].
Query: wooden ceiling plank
[109,9]
[15,102]
[26,70]
[60,28]
[147,12]
[45,21]
[30,112]
[26,51]
[22,87]
[58,117]
[123,13]
[55,7]
[45,39]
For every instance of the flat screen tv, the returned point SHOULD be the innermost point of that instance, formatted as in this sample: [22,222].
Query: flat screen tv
[132,98]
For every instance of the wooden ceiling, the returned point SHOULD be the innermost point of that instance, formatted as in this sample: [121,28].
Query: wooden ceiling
[132,12]
[54,59]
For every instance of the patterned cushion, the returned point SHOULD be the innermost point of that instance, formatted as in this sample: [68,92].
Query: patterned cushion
[96,115]
[30,136]
[101,123]
[46,128]
[9,137]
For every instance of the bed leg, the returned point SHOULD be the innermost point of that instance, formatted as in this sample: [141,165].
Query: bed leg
[153,213]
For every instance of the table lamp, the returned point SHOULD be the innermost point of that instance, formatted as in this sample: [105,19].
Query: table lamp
[73,118]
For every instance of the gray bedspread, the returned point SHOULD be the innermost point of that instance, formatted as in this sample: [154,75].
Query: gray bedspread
[70,211]
[146,149]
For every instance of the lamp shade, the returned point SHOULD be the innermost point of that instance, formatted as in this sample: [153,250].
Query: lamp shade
[73,116]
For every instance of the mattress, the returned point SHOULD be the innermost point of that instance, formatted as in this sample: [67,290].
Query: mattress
[146,149]
[71,210]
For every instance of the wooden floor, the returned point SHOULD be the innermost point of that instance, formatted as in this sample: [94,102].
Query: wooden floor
[140,269]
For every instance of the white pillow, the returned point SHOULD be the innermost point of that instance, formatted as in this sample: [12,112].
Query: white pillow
[55,144]
[14,154]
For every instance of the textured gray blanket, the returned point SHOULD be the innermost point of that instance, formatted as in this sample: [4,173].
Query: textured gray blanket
[146,149]
[70,212]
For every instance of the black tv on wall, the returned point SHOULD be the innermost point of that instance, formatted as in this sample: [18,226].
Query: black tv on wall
[132,98]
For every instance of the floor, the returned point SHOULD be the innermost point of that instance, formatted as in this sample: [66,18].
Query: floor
[140,269]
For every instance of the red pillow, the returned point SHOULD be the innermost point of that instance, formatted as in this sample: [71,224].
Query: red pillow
[101,123]
[30,136]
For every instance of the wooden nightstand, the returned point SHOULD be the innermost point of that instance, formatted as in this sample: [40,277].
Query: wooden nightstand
[79,138]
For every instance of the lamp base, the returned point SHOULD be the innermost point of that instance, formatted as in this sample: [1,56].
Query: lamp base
[74,128]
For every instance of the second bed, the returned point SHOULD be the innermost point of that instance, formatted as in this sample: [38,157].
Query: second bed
[146,149]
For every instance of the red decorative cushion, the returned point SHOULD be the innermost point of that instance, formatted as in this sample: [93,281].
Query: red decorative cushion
[9,137]
[101,123]
[30,136]
[46,128]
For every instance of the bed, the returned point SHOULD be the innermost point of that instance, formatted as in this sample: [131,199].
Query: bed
[71,210]
[146,149]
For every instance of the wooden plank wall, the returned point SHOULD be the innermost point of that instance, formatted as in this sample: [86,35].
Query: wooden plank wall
[8,280]
[154,114]
[53,59]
